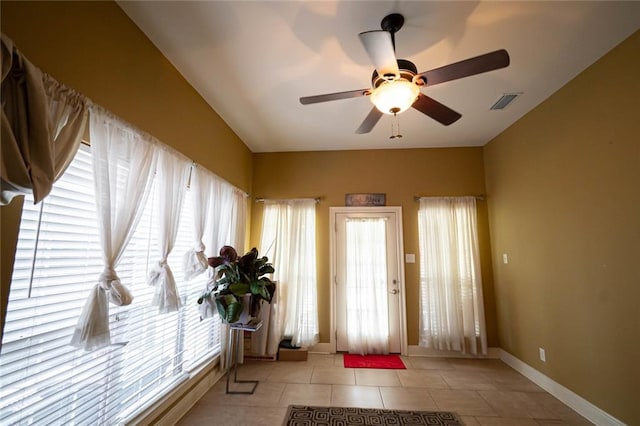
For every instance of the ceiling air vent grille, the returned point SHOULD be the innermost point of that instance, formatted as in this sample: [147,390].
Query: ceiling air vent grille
[505,100]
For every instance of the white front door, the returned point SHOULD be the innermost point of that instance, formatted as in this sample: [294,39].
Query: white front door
[367,265]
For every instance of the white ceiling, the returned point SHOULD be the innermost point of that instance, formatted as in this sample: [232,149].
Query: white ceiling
[251,61]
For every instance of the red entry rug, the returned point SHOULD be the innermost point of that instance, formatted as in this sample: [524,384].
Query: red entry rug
[373,361]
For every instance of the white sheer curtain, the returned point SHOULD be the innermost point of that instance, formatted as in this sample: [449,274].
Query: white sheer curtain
[123,161]
[451,304]
[218,230]
[289,240]
[220,218]
[238,223]
[195,259]
[43,122]
[172,176]
[366,286]
[235,236]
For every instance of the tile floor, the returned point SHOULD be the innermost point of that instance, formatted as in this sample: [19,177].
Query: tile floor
[482,392]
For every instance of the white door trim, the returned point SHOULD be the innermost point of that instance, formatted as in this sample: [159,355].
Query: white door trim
[333,211]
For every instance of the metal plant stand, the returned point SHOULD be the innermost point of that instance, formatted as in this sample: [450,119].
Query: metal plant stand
[236,332]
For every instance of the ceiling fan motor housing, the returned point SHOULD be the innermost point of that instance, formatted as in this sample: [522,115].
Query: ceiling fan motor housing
[407,71]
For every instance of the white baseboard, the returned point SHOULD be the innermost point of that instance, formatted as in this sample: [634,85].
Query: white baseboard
[414,350]
[568,397]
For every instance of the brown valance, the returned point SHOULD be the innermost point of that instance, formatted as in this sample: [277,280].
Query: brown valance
[43,122]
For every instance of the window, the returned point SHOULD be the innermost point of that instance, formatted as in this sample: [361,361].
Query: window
[451,304]
[58,260]
[288,239]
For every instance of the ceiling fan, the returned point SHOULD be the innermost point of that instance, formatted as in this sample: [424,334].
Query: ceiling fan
[396,83]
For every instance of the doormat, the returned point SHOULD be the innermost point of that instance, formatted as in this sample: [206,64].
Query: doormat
[299,415]
[373,361]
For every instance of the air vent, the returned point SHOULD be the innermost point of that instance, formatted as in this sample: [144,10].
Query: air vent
[505,100]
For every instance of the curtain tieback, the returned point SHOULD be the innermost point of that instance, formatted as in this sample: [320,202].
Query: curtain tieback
[194,261]
[200,258]
[156,272]
[107,276]
[118,293]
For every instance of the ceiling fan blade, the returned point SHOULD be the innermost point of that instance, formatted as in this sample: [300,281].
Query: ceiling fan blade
[379,47]
[306,100]
[370,121]
[472,66]
[434,109]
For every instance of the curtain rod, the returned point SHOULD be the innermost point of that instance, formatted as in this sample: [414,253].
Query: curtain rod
[262,200]
[477,197]
[162,145]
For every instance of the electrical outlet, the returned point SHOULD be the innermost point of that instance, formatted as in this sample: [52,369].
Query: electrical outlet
[505,258]
[543,356]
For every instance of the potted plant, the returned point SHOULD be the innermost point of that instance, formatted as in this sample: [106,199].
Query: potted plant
[239,284]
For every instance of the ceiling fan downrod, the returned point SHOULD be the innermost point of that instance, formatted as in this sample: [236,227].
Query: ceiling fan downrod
[392,23]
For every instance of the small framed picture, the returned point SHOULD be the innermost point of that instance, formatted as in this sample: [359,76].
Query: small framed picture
[369,200]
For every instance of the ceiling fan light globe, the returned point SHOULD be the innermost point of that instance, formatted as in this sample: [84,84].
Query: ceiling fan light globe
[394,97]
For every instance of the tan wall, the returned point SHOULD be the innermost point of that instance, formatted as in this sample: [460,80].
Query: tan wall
[401,174]
[94,48]
[564,203]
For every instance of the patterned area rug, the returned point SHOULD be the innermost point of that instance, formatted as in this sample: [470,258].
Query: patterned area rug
[299,415]
[373,361]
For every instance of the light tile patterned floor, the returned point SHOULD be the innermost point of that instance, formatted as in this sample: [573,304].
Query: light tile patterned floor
[482,392]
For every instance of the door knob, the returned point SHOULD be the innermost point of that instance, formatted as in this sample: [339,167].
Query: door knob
[394,291]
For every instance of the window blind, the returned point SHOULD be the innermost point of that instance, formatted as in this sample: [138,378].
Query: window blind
[58,259]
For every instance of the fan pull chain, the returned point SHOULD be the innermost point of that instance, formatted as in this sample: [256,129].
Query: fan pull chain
[395,120]
[392,135]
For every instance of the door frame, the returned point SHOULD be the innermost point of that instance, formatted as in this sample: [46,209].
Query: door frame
[333,211]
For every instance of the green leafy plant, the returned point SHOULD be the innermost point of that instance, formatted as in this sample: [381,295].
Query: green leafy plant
[235,277]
